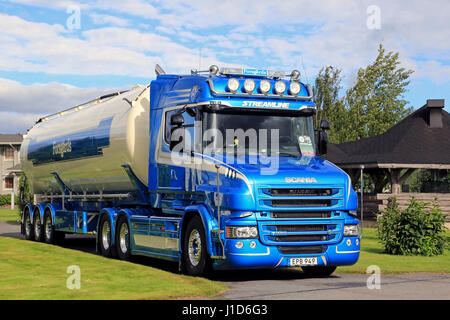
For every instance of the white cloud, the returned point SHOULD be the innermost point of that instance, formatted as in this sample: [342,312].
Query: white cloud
[22,105]
[98,18]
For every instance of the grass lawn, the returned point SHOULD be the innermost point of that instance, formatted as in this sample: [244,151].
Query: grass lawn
[8,215]
[372,253]
[32,270]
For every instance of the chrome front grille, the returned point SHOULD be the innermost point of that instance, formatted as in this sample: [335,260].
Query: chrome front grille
[299,203]
[321,192]
[308,199]
[300,214]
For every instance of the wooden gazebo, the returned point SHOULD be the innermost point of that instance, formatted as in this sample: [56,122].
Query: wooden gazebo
[420,141]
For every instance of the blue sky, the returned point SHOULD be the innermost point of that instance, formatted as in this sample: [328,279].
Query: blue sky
[49,61]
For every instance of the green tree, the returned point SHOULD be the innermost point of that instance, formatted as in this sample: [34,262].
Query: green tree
[329,105]
[376,102]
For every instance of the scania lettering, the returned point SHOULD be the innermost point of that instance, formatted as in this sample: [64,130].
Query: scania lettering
[151,171]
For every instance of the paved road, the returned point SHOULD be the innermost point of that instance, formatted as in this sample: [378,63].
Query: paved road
[291,284]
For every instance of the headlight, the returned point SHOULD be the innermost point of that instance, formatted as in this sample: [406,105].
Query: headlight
[351,230]
[294,88]
[233,85]
[264,86]
[249,85]
[280,87]
[242,232]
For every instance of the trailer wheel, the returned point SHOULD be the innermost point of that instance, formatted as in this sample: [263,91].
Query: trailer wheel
[37,224]
[195,255]
[104,236]
[123,239]
[50,235]
[28,226]
[319,271]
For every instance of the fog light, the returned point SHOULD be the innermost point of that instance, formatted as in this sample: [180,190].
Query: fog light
[349,242]
[239,244]
[280,87]
[357,242]
[249,85]
[264,86]
[252,244]
[294,88]
[233,85]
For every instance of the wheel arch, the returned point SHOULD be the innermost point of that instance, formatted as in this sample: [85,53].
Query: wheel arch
[208,225]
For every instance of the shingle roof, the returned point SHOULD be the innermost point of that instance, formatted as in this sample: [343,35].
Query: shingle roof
[411,141]
[11,138]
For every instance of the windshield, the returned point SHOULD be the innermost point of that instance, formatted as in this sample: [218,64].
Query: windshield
[258,134]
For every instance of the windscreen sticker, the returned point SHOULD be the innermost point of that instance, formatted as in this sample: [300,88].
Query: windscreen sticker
[306,146]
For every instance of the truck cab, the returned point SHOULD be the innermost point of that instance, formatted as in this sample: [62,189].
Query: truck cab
[236,150]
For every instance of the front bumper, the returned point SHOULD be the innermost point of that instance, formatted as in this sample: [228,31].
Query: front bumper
[346,252]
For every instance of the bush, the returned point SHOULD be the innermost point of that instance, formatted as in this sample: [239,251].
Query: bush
[417,230]
[5,200]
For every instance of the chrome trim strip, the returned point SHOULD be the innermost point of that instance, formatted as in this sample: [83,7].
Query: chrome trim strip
[346,251]
[279,262]
[251,254]
[308,87]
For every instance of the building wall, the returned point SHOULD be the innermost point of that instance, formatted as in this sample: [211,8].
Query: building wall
[5,169]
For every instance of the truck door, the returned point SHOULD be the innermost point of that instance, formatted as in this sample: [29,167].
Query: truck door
[172,176]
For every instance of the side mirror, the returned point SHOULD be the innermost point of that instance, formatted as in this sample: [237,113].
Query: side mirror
[176,120]
[324,124]
[322,138]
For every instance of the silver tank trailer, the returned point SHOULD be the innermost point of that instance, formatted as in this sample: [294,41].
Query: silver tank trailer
[87,145]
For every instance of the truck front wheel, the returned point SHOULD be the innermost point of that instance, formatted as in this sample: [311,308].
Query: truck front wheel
[195,255]
[319,271]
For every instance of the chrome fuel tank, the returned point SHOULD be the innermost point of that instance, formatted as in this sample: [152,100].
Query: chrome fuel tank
[87,146]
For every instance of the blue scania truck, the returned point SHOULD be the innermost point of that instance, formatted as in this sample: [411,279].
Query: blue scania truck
[217,169]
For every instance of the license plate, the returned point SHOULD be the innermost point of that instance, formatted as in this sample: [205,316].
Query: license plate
[310,261]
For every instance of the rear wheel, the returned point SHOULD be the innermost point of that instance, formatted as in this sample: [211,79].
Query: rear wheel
[319,271]
[50,235]
[28,226]
[37,224]
[195,255]
[104,236]
[123,239]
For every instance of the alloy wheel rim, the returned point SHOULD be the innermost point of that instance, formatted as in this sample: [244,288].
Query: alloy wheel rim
[106,230]
[195,247]
[123,238]
[27,225]
[37,226]
[48,228]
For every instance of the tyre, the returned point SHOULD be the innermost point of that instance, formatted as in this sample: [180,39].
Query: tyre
[50,235]
[319,271]
[28,226]
[123,239]
[37,225]
[105,236]
[195,255]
